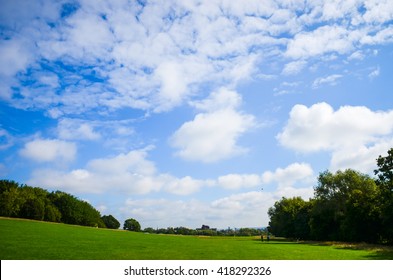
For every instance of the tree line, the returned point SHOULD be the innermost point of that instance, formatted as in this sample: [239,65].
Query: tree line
[22,201]
[347,206]
[207,232]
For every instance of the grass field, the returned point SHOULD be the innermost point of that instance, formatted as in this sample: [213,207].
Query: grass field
[25,240]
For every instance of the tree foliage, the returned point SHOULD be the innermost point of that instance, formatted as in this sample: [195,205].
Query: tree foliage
[289,217]
[347,206]
[132,225]
[22,201]
[110,222]
[207,232]
[384,175]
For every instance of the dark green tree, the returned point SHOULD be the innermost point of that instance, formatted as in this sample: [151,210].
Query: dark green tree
[110,222]
[35,203]
[345,207]
[75,211]
[149,230]
[52,214]
[384,180]
[10,202]
[132,225]
[289,217]
[67,205]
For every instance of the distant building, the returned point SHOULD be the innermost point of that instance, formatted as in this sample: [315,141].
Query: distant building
[206,227]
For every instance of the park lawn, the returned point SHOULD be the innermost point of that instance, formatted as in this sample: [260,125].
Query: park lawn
[26,240]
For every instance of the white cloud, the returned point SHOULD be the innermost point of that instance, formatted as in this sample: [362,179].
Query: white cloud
[289,176]
[164,213]
[320,127]
[323,40]
[357,55]
[160,55]
[212,136]
[129,173]
[294,67]
[336,9]
[378,11]
[361,158]
[375,73]
[352,133]
[49,150]
[15,56]
[173,83]
[242,210]
[381,37]
[186,185]
[134,162]
[329,80]
[219,100]
[237,181]
[74,129]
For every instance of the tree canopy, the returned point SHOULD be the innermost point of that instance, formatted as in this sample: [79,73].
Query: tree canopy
[347,206]
[110,222]
[132,225]
[22,201]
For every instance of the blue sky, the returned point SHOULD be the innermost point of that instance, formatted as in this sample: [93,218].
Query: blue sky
[183,113]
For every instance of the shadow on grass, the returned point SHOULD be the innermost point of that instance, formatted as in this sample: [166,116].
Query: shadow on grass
[381,255]
[374,252]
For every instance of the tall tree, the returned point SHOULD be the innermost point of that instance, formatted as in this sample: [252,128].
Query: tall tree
[289,218]
[346,207]
[384,180]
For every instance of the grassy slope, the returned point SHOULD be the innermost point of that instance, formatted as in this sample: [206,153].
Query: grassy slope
[22,239]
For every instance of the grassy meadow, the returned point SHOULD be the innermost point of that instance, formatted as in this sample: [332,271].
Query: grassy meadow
[25,240]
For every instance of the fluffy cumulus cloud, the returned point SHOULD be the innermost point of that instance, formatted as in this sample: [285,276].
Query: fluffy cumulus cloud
[289,176]
[325,39]
[362,158]
[213,134]
[351,132]
[134,173]
[237,181]
[296,179]
[49,150]
[127,173]
[378,11]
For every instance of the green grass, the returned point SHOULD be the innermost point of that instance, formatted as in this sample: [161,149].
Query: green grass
[25,240]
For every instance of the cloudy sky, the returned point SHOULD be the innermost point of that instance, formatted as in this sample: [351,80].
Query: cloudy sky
[183,113]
